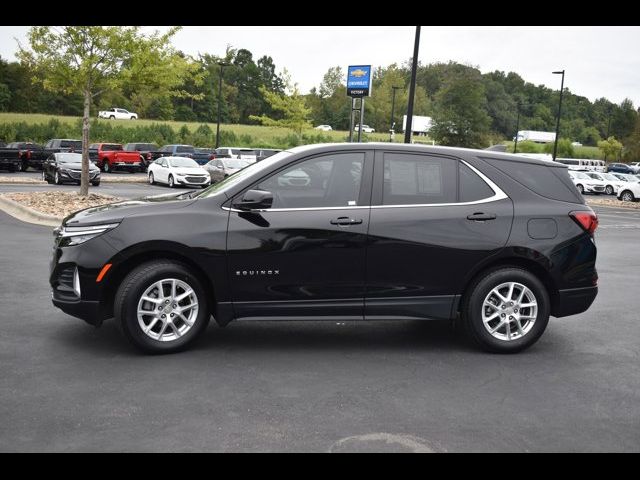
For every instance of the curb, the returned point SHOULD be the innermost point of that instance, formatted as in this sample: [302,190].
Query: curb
[27,214]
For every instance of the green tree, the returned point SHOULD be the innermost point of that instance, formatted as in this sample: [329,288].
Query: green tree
[610,146]
[5,97]
[92,59]
[291,107]
[565,149]
[460,112]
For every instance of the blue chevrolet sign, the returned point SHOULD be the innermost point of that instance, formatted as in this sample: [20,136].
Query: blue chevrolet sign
[359,80]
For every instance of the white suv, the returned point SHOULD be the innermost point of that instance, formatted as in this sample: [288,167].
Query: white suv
[585,184]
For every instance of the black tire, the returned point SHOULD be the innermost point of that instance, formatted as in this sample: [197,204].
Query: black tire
[56,178]
[24,166]
[95,184]
[627,196]
[580,189]
[472,308]
[132,288]
[106,168]
[133,118]
[112,117]
[609,190]
[171,181]
[151,179]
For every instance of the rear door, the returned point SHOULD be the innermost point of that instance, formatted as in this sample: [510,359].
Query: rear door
[433,219]
[305,256]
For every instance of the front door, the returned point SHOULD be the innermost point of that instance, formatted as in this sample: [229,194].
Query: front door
[433,220]
[305,256]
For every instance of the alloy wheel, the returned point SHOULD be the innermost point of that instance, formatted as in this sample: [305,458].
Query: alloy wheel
[167,309]
[509,311]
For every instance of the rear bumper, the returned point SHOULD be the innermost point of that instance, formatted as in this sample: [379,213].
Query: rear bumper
[574,300]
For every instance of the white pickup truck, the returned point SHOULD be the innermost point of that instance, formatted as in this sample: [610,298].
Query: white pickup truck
[117,114]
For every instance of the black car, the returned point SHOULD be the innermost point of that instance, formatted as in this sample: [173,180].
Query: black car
[148,152]
[66,167]
[339,231]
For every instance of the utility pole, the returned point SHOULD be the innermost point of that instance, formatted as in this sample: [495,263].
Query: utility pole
[222,65]
[555,145]
[412,88]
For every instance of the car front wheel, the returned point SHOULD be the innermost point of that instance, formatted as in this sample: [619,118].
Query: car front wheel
[506,310]
[56,179]
[161,307]
[171,182]
[580,189]
[151,179]
[627,196]
[609,190]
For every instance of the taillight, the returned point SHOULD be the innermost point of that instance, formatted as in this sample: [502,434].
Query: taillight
[148,156]
[588,220]
[212,157]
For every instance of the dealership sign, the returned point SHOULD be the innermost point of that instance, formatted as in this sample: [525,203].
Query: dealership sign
[359,80]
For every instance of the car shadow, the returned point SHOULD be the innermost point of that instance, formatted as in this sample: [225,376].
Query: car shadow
[286,335]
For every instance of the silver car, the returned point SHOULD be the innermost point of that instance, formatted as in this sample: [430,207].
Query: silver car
[221,168]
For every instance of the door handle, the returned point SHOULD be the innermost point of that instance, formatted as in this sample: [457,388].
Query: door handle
[345,221]
[481,216]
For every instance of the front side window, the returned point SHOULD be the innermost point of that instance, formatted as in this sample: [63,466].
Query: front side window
[411,179]
[327,181]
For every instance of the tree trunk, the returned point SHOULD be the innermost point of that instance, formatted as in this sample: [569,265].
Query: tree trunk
[84,176]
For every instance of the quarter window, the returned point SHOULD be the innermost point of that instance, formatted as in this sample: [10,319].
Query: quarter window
[326,181]
[411,179]
[472,187]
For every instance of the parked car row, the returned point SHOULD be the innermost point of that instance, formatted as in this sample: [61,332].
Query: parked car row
[19,156]
[625,186]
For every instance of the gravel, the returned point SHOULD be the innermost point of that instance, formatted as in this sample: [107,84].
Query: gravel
[59,204]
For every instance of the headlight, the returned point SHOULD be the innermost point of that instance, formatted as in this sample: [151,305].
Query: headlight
[77,235]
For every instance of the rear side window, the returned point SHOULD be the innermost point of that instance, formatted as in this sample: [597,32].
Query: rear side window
[472,187]
[411,179]
[550,182]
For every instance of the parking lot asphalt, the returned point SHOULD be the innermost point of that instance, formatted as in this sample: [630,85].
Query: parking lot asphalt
[319,386]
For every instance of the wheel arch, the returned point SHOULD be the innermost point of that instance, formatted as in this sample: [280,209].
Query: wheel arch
[525,263]
[134,256]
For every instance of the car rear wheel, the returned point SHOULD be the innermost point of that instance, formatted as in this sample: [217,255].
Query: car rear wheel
[112,117]
[609,190]
[105,166]
[506,310]
[627,196]
[95,184]
[161,307]
[171,182]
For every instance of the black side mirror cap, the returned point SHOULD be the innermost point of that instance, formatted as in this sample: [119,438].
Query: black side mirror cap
[254,200]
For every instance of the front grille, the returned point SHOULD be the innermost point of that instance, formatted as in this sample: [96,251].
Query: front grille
[598,188]
[196,179]
[76,174]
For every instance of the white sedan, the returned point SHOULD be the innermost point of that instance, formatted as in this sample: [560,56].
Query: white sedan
[324,128]
[630,192]
[365,128]
[585,184]
[613,183]
[178,171]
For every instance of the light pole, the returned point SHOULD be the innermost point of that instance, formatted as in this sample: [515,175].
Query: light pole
[412,88]
[222,65]
[515,145]
[555,145]
[393,107]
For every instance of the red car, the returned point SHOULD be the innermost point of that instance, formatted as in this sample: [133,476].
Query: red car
[111,156]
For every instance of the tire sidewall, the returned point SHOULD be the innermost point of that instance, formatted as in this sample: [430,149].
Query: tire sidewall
[151,179]
[171,181]
[134,286]
[473,310]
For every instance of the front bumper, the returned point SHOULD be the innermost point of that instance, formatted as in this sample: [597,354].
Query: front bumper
[574,300]
[86,310]
[6,163]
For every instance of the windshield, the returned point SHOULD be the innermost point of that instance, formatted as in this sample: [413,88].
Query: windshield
[235,163]
[69,158]
[182,162]
[184,149]
[111,147]
[252,169]
[581,175]
[609,176]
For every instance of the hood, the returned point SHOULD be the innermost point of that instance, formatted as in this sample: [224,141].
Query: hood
[77,166]
[115,212]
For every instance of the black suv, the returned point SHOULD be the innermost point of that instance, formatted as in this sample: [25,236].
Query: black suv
[339,231]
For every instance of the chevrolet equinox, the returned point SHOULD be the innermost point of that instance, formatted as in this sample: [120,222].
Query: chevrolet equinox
[339,231]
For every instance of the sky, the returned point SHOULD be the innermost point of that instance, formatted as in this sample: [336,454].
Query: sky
[599,61]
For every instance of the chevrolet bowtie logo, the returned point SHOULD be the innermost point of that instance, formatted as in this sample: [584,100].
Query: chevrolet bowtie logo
[247,273]
[358,73]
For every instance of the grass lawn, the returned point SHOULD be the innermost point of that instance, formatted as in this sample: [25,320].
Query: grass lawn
[261,133]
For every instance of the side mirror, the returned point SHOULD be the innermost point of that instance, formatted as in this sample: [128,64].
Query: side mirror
[255,200]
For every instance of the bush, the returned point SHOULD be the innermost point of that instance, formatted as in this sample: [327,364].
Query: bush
[527,146]
[565,149]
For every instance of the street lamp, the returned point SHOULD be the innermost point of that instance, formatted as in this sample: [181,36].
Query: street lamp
[393,106]
[555,145]
[412,87]
[222,65]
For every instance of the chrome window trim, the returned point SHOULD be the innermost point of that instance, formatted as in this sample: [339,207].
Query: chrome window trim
[498,195]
